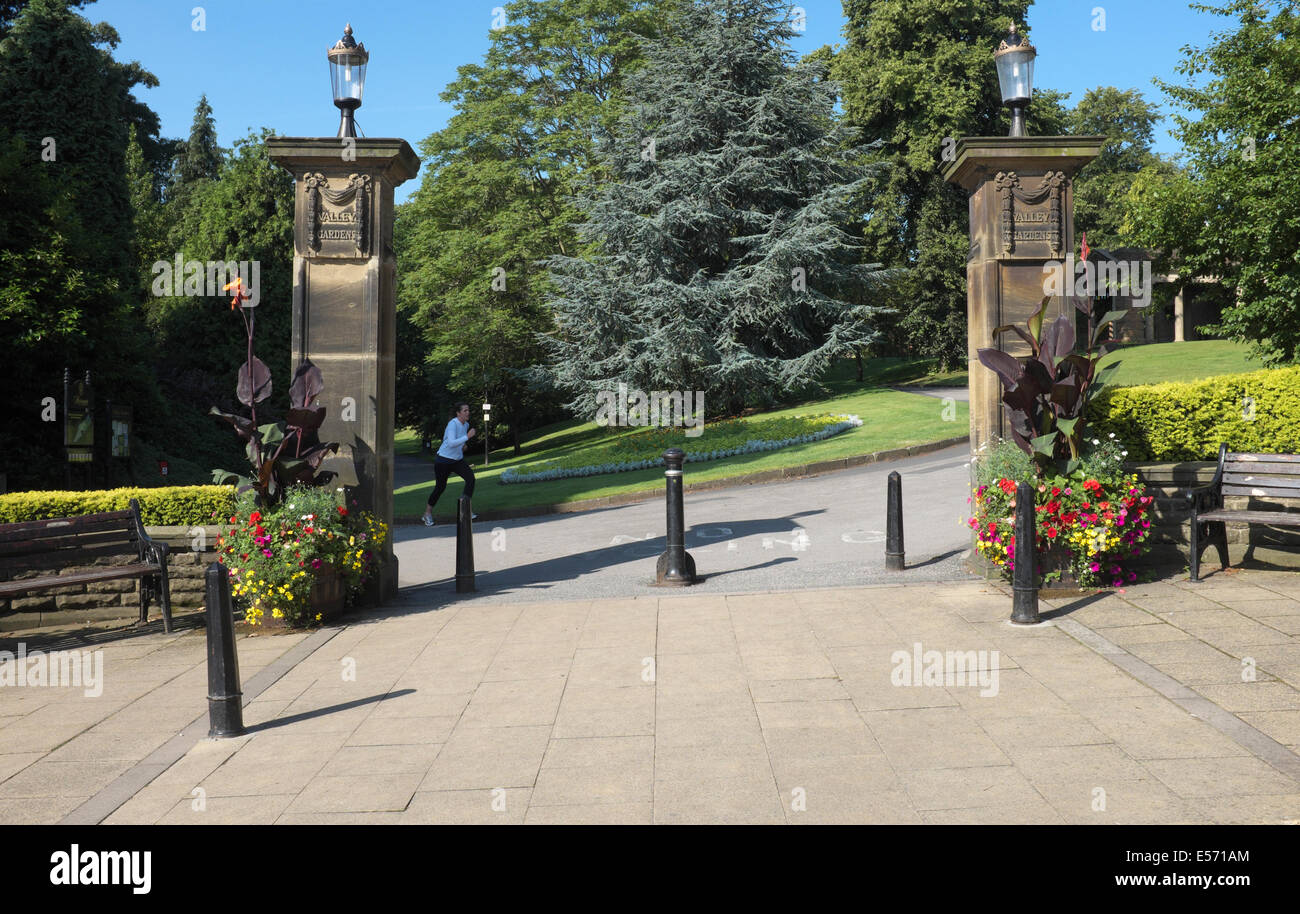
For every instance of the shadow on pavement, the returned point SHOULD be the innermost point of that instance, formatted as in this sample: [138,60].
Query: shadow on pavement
[321,712]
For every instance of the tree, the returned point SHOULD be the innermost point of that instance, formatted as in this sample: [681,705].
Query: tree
[1234,215]
[917,75]
[1100,188]
[494,201]
[717,262]
[199,157]
[67,267]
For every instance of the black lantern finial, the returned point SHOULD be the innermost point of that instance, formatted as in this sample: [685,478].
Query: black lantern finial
[348,61]
[1015,62]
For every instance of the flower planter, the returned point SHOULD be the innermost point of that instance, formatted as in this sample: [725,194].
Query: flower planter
[328,597]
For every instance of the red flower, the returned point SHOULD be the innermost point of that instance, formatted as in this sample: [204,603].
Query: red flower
[1056,490]
[1050,533]
[255,517]
[343,511]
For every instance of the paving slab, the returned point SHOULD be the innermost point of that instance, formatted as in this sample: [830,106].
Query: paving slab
[760,707]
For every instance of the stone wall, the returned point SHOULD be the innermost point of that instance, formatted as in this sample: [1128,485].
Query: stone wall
[118,600]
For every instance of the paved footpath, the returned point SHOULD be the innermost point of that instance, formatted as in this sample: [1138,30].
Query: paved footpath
[1168,702]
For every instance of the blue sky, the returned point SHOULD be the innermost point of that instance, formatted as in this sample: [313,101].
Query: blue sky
[262,62]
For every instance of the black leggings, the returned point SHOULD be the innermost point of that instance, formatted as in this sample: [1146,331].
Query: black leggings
[442,468]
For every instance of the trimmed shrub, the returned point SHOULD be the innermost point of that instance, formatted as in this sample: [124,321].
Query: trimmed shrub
[166,506]
[1254,412]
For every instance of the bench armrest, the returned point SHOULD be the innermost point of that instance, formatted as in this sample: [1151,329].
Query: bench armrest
[157,552]
[1204,498]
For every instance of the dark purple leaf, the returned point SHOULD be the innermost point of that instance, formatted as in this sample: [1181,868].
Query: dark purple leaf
[1008,367]
[242,425]
[305,418]
[307,385]
[259,387]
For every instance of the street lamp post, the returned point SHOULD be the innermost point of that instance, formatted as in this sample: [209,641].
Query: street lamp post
[348,77]
[1015,62]
[487,445]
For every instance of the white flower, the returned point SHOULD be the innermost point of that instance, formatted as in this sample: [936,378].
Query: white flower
[1096,441]
[1123,453]
[1112,434]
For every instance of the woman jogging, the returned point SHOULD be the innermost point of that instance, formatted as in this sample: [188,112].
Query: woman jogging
[450,458]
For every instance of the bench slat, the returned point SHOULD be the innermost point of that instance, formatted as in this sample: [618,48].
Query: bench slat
[1274,518]
[62,526]
[1288,470]
[1272,458]
[1260,479]
[9,588]
[1261,491]
[107,538]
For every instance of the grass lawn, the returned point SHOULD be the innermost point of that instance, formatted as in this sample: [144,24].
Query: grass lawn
[1156,363]
[891,419]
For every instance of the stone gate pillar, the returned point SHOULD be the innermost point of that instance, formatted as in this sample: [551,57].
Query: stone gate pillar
[1021,217]
[344,303]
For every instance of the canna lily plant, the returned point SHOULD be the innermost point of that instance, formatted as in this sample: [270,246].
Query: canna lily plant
[287,451]
[1045,395]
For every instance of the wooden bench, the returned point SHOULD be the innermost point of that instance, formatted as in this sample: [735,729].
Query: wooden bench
[1259,475]
[99,540]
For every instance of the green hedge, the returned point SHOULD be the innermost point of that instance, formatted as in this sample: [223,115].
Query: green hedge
[1187,421]
[170,505]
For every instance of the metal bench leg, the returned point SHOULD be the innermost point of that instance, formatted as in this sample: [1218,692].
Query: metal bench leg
[1220,535]
[1195,541]
[146,594]
[165,600]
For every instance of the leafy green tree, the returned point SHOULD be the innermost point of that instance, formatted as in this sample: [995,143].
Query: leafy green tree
[917,75]
[1102,185]
[717,262]
[67,267]
[198,158]
[495,201]
[1233,217]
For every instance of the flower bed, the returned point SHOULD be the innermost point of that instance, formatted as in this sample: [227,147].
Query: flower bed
[1095,521]
[275,555]
[644,450]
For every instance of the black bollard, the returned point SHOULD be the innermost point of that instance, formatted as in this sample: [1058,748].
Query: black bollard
[225,700]
[1024,578]
[676,566]
[894,524]
[464,547]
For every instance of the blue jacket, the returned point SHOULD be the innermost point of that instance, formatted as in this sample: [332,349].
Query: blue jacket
[453,440]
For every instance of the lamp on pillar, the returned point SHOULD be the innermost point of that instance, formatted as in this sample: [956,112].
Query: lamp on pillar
[348,77]
[1015,63]
[344,290]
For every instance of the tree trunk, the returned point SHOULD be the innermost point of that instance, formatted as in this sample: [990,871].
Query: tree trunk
[857,355]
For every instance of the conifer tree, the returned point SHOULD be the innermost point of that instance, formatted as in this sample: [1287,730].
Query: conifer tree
[717,257]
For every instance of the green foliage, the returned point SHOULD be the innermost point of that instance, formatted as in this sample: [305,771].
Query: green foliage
[67,274]
[494,202]
[1234,216]
[1003,459]
[1101,186]
[716,256]
[1254,412]
[170,506]
[913,74]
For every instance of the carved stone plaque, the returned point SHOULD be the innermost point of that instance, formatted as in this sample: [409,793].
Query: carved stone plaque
[1030,214]
[338,220]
